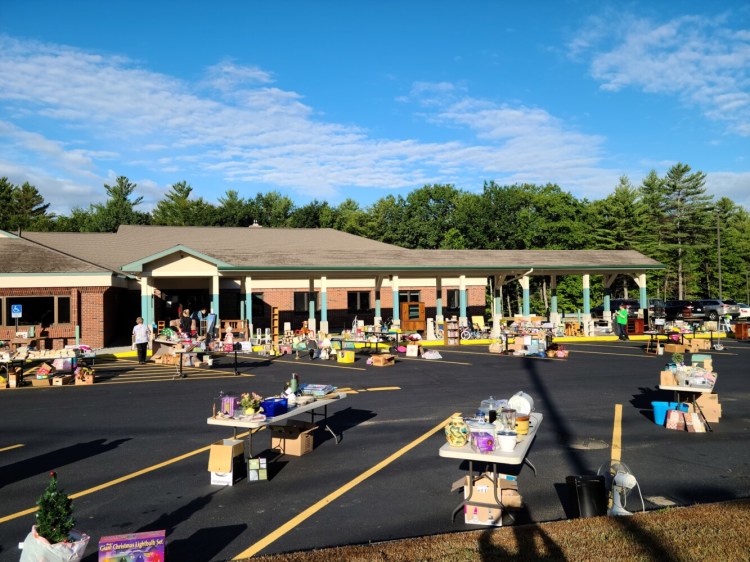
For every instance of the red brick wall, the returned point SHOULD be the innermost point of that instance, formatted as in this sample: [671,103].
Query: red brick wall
[86,309]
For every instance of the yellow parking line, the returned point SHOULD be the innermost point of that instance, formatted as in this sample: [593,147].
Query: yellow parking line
[313,509]
[617,434]
[11,447]
[121,479]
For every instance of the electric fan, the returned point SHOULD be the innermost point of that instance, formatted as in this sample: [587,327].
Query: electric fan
[619,481]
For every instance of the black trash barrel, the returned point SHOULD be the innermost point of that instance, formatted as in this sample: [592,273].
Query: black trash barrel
[588,496]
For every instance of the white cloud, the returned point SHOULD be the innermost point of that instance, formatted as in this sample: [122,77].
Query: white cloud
[702,61]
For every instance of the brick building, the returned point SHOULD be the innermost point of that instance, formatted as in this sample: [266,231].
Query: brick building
[91,286]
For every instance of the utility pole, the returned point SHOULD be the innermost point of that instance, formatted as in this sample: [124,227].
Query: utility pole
[718,251]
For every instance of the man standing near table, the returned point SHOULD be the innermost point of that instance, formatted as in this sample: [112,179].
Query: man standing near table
[621,322]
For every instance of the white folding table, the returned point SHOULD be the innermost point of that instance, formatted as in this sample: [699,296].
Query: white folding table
[256,425]
[515,457]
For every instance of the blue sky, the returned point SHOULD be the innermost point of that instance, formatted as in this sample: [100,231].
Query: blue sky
[334,100]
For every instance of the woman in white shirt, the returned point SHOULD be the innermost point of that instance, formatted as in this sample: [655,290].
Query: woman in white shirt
[141,335]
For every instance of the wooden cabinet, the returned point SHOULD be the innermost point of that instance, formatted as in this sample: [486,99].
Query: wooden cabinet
[452,332]
[635,326]
[742,330]
[413,317]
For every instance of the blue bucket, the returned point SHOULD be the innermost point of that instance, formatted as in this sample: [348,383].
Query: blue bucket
[661,408]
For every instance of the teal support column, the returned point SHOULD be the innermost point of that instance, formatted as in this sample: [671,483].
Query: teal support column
[586,294]
[324,306]
[526,307]
[462,296]
[311,306]
[438,297]
[553,295]
[644,296]
[396,307]
[377,303]
[607,294]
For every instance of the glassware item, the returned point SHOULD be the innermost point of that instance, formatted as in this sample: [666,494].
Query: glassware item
[508,419]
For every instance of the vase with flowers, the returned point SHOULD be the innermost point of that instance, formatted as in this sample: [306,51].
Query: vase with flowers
[250,402]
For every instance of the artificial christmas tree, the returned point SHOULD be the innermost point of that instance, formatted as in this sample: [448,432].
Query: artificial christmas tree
[53,539]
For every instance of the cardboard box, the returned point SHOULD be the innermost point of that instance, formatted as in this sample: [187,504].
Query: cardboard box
[85,379]
[482,492]
[35,381]
[667,378]
[15,380]
[226,462]
[383,360]
[295,439]
[709,407]
[62,380]
[674,348]
[345,356]
[413,349]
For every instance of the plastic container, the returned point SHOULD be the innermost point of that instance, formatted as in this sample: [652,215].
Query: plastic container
[273,407]
[661,408]
[521,403]
[488,409]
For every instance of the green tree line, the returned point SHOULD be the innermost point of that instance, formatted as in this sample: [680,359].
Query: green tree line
[704,243]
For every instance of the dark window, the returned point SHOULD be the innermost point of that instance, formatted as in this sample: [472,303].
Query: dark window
[408,296]
[454,298]
[302,301]
[63,310]
[259,306]
[38,310]
[358,301]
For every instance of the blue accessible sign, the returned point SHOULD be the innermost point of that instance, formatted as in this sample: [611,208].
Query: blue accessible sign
[16,310]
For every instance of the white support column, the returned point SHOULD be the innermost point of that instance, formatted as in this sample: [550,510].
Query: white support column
[248,286]
[497,305]
[324,304]
[606,314]
[554,314]
[641,282]
[588,325]
[396,310]
[312,305]
[462,299]
[378,320]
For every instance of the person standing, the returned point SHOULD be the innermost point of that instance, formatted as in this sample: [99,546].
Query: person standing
[141,336]
[621,322]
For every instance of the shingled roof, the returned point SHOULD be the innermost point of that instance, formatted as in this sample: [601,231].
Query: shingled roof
[289,249]
[21,256]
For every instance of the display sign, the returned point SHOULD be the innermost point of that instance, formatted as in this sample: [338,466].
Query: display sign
[16,310]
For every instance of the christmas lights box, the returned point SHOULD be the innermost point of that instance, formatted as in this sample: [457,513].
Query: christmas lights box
[134,547]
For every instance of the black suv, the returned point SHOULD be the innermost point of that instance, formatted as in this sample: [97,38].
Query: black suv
[614,304]
[683,309]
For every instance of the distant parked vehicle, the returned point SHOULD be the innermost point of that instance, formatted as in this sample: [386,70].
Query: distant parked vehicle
[656,308]
[744,310]
[683,309]
[713,309]
[614,304]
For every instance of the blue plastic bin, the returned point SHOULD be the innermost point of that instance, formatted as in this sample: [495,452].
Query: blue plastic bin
[273,407]
[661,408]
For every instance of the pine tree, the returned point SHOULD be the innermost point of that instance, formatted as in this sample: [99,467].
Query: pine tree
[54,520]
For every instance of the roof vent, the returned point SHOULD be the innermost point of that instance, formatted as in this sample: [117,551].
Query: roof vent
[255,224]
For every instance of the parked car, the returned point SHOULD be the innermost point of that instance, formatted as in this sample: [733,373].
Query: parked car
[656,308]
[633,307]
[744,310]
[683,309]
[713,309]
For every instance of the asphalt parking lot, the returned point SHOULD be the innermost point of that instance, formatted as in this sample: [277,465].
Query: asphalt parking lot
[132,449]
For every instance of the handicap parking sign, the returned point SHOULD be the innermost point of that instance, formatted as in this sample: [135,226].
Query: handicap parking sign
[15,310]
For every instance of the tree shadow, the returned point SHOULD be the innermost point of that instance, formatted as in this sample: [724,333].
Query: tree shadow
[53,460]
[527,537]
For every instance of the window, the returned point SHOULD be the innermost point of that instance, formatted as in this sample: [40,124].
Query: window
[408,296]
[454,298]
[38,310]
[358,301]
[302,301]
[259,306]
